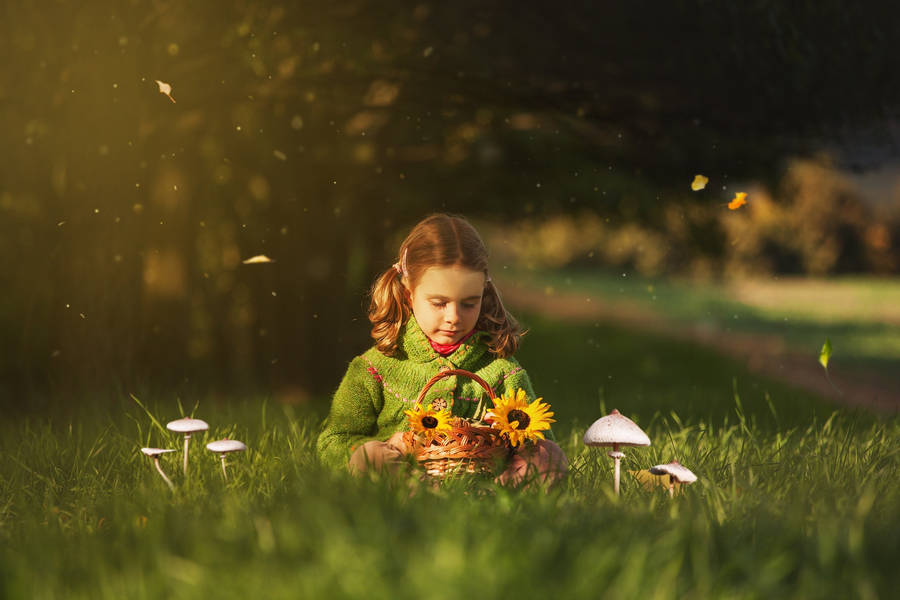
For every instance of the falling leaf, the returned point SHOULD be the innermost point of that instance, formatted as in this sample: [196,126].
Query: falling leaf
[165,88]
[699,182]
[739,200]
[259,258]
[825,354]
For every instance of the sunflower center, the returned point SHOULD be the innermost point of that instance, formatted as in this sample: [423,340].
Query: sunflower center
[520,416]
[429,422]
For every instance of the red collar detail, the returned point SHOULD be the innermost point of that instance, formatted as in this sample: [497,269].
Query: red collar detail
[448,349]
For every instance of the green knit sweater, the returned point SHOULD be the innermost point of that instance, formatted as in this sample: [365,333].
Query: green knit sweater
[369,403]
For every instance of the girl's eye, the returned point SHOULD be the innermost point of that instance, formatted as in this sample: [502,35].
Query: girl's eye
[443,304]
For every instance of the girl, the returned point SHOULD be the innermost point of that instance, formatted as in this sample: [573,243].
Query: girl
[435,309]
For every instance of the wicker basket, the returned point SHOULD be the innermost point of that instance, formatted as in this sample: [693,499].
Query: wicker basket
[467,448]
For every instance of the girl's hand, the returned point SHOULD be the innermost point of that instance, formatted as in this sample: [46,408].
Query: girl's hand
[375,456]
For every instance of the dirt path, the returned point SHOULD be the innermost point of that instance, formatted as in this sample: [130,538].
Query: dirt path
[762,353]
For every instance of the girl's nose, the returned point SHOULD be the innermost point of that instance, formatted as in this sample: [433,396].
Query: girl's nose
[451,314]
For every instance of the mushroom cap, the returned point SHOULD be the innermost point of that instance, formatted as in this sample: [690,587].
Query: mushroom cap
[187,425]
[155,451]
[223,446]
[615,429]
[679,472]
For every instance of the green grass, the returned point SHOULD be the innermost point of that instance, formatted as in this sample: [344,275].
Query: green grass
[794,500]
[601,367]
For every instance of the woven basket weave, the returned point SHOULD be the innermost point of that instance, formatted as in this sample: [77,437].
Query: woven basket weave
[467,448]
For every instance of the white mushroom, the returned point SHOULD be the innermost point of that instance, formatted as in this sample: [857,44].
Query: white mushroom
[676,472]
[155,453]
[615,429]
[223,447]
[187,426]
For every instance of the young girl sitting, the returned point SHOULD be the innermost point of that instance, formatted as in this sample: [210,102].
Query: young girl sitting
[433,310]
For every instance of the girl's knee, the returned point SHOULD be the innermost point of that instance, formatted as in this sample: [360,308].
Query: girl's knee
[545,460]
[548,455]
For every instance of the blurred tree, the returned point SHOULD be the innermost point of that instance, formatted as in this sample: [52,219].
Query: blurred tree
[317,133]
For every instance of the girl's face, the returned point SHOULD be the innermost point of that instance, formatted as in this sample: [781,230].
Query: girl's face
[447,302]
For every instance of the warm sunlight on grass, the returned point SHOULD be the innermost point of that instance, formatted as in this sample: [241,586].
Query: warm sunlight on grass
[862,299]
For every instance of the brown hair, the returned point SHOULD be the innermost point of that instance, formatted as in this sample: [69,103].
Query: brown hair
[439,240]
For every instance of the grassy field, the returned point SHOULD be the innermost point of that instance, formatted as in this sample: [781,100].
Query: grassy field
[794,499]
[860,315]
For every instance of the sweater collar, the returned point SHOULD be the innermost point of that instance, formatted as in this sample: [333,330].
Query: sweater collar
[417,346]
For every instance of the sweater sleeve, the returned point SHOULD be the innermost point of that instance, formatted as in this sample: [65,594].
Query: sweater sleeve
[518,378]
[352,418]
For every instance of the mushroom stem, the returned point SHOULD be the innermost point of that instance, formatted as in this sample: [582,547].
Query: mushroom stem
[616,486]
[224,474]
[617,457]
[671,487]
[187,441]
[161,472]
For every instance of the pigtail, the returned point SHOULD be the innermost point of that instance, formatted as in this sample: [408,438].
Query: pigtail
[388,310]
[503,328]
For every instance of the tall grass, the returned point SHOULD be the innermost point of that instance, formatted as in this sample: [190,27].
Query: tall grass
[800,511]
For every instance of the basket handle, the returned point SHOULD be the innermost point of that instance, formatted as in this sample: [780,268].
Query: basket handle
[449,373]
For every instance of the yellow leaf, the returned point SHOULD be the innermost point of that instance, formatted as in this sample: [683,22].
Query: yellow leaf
[649,481]
[259,258]
[699,182]
[739,200]
[165,88]
[825,354]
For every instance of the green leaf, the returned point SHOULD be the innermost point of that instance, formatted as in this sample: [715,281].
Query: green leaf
[825,354]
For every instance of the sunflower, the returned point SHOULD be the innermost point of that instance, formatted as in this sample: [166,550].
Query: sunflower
[428,423]
[518,420]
